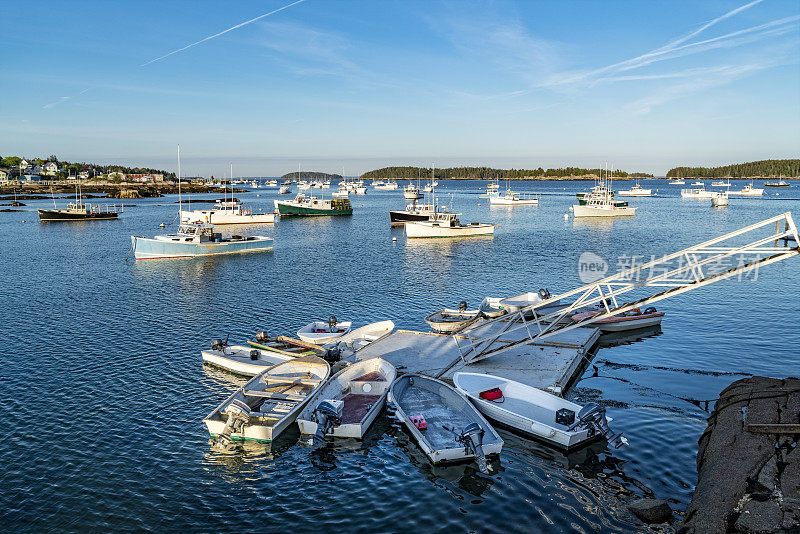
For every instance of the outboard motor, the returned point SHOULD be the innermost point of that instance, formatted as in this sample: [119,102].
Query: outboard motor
[648,311]
[217,344]
[238,417]
[254,354]
[462,306]
[332,354]
[262,336]
[592,417]
[544,294]
[332,322]
[328,414]
[472,439]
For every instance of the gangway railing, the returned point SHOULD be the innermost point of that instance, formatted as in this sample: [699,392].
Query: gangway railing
[680,272]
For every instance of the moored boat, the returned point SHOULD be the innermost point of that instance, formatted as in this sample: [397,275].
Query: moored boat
[443,422]
[227,212]
[720,199]
[535,412]
[512,198]
[782,183]
[748,191]
[75,211]
[322,332]
[492,307]
[197,239]
[386,186]
[347,404]
[246,361]
[268,403]
[312,206]
[635,191]
[524,300]
[449,321]
[411,192]
[446,224]
[630,320]
[699,192]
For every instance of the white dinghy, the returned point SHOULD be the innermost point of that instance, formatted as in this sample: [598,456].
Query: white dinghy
[518,302]
[241,360]
[492,307]
[270,402]
[349,402]
[449,321]
[535,412]
[443,422]
[320,332]
[363,336]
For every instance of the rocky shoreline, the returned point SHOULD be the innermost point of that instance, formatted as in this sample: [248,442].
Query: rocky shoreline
[106,190]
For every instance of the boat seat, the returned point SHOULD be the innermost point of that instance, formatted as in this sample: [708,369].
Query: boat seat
[278,396]
[289,380]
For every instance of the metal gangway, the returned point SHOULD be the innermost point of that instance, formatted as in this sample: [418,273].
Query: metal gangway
[752,247]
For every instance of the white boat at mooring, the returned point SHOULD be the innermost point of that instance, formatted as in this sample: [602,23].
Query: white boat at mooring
[449,321]
[267,404]
[446,224]
[635,191]
[697,192]
[347,404]
[512,198]
[535,412]
[443,421]
[246,361]
[227,212]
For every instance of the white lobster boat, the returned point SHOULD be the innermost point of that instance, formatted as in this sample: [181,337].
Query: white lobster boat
[443,422]
[535,412]
[511,198]
[698,192]
[227,212]
[720,199]
[267,404]
[636,191]
[445,224]
[347,404]
[748,191]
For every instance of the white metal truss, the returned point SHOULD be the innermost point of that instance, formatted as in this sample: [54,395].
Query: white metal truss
[714,260]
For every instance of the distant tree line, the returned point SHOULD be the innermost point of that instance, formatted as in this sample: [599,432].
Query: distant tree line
[765,168]
[66,168]
[311,175]
[485,173]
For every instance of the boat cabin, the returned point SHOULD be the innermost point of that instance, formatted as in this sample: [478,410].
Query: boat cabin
[197,233]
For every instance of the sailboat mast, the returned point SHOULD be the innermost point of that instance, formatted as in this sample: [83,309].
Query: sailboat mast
[180,206]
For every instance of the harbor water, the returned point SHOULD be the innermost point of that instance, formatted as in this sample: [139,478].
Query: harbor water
[104,390]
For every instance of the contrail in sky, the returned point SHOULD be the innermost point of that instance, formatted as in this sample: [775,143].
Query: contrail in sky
[222,32]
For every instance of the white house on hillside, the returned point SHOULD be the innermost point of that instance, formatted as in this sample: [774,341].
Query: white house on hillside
[50,168]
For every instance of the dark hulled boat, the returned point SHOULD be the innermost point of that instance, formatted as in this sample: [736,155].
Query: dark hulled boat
[78,211]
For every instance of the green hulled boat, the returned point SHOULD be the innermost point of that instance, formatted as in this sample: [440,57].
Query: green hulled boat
[310,206]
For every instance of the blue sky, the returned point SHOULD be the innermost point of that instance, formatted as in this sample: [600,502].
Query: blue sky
[363,84]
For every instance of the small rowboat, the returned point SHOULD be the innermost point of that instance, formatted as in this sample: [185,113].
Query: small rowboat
[443,422]
[270,402]
[491,308]
[448,321]
[321,332]
[630,320]
[363,336]
[518,302]
[242,360]
[358,393]
[285,345]
[532,411]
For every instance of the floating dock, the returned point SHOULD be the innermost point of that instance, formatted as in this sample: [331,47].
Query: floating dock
[548,364]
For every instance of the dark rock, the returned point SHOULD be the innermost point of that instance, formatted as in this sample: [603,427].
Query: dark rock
[651,510]
[760,517]
[790,477]
[768,477]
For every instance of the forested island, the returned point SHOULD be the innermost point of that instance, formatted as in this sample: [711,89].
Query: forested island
[768,168]
[310,175]
[488,173]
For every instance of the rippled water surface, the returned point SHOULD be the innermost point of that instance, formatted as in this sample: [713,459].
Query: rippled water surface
[104,391]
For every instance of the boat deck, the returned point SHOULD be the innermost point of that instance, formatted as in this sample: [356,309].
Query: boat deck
[549,364]
[356,407]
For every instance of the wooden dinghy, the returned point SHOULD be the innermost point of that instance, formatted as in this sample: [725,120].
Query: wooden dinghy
[535,412]
[321,332]
[349,402]
[270,402]
[443,422]
[448,321]
[285,345]
[242,360]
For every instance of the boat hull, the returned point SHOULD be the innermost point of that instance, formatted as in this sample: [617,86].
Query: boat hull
[291,209]
[237,360]
[604,211]
[402,217]
[416,229]
[219,218]
[63,215]
[502,201]
[146,248]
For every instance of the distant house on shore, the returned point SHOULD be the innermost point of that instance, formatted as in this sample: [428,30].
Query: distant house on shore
[50,168]
[116,175]
[151,177]
[5,174]
[30,178]
[23,165]
[83,175]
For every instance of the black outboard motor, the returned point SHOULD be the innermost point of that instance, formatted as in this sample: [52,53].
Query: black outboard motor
[544,294]
[332,323]
[217,344]
[593,418]
[262,336]
[462,306]
[328,414]
[254,354]
[238,417]
[472,439]
[332,354]
[649,310]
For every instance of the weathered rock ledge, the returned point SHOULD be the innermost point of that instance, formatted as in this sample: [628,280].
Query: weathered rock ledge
[748,461]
